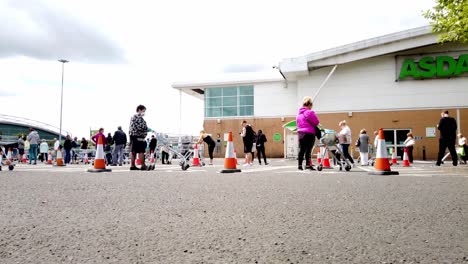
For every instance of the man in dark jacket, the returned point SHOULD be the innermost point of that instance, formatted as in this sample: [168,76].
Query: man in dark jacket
[260,143]
[448,134]
[120,140]
[67,145]
[152,144]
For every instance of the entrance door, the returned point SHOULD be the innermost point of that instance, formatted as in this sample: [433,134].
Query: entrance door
[395,138]
[292,146]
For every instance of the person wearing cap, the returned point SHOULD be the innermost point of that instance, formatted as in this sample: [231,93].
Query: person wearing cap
[306,121]
[120,140]
[44,149]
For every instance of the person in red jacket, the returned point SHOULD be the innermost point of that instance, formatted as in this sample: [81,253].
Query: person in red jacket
[95,138]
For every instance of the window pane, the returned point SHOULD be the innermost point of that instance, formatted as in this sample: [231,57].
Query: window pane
[229,111]
[213,112]
[230,91]
[246,100]
[401,136]
[246,90]
[246,111]
[213,102]
[212,92]
[389,137]
[229,101]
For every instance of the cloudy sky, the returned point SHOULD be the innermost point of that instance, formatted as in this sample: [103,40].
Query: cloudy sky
[125,53]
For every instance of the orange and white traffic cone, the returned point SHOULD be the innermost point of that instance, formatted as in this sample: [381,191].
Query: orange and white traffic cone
[59,161]
[25,159]
[405,158]
[99,162]
[382,166]
[319,155]
[394,157]
[86,159]
[49,158]
[326,160]
[196,158]
[230,160]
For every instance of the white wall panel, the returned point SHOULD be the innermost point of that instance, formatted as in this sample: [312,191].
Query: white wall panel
[272,99]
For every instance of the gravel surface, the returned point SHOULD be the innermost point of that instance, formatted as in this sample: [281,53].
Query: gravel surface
[207,217]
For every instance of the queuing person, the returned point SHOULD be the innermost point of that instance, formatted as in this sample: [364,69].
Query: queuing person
[463,146]
[33,139]
[248,136]
[448,133]
[120,140]
[26,145]
[409,144]
[376,139]
[138,132]
[75,146]
[164,154]
[306,122]
[260,144]
[20,148]
[152,144]
[344,138]
[363,144]
[67,146]
[44,149]
[99,134]
[204,137]
[84,143]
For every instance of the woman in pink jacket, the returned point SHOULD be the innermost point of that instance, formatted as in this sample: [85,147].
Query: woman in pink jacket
[306,122]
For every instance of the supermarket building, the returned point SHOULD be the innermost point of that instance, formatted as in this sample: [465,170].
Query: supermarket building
[399,82]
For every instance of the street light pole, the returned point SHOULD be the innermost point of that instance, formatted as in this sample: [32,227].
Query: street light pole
[61,98]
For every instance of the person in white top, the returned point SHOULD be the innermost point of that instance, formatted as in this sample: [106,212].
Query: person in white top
[344,138]
[462,144]
[409,143]
[56,146]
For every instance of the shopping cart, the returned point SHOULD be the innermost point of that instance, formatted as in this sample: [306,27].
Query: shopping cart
[329,143]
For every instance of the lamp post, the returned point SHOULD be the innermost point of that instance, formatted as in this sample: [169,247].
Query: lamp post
[61,98]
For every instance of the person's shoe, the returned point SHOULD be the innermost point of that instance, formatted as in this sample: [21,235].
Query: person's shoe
[246,164]
[455,163]
[134,168]
[310,168]
[300,168]
[437,164]
[266,163]
[113,164]
[120,164]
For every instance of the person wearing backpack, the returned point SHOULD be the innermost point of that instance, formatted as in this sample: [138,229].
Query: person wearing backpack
[248,137]
[260,144]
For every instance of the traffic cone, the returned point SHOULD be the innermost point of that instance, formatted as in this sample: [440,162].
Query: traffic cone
[394,157]
[230,160]
[99,162]
[59,161]
[25,159]
[405,158]
[319,157]
[86,159]
[326,160]
[152,158]
[49,158]
[196,158]
[382,166]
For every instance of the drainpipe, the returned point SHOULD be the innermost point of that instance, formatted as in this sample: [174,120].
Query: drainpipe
[284,77]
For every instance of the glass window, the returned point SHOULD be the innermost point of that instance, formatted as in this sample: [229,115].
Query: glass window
[246,100]
[246,90]
[229,101]
[230,91]
[229,111]
[246,111]
[213,92]
[213,102]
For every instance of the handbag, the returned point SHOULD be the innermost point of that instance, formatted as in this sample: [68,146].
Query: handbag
[317,130]
[358,142]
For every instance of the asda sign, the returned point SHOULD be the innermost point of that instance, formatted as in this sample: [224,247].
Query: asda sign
[434,67]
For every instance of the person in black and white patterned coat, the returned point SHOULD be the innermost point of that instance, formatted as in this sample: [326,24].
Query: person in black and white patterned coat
[137,133]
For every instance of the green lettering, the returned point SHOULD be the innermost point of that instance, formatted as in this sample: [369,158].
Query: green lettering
[409,68]
[428,68]
[451,66]
[462,65]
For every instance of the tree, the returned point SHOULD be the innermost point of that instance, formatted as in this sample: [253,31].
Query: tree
[449,18]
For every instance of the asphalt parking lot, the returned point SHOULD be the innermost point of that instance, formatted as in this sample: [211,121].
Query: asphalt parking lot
[265,214]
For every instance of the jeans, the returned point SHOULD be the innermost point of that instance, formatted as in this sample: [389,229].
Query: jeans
[67,156]
[345,149]
[33,153]
[118,154]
